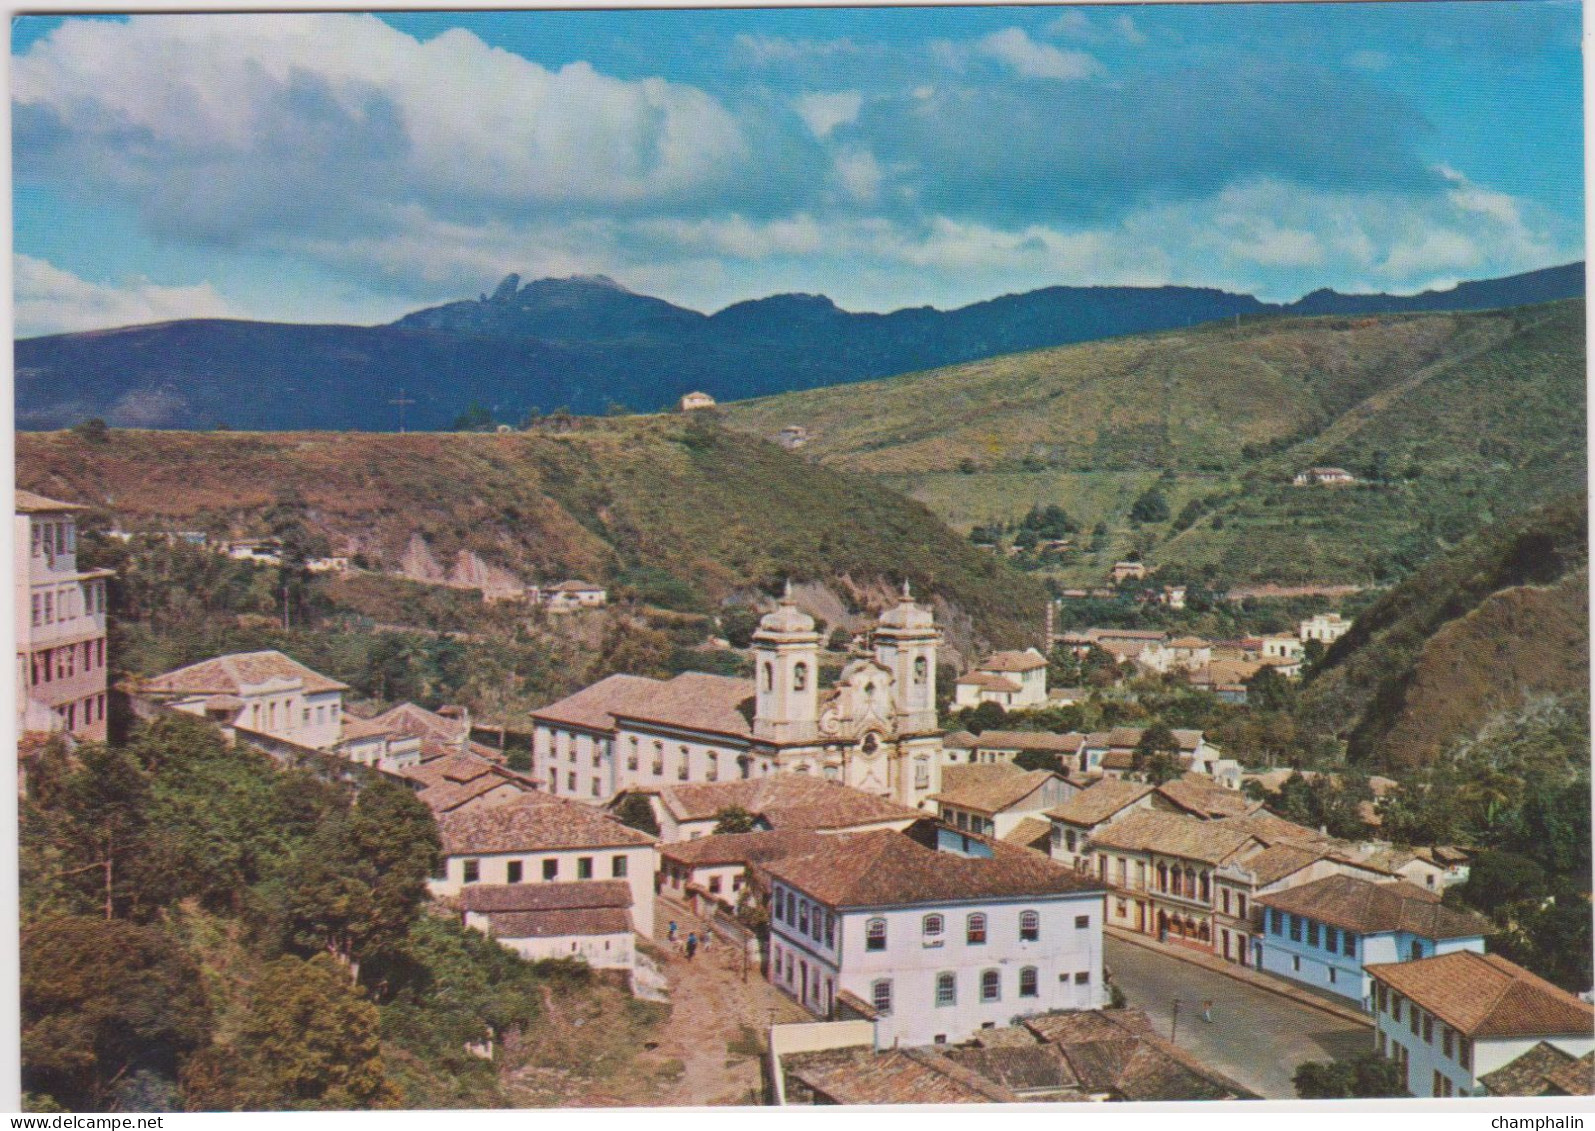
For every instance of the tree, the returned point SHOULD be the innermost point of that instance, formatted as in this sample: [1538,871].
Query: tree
[1063,666]
[94,814]
[93,431]
[1150,507]
[739,623]
[102,1001]
[311,1042]
[476,418]
[1157,755]
[1365,1076]
[1497,878]
[734,819]
[637,812]
[986,716]
[1267,690]
[1037,760]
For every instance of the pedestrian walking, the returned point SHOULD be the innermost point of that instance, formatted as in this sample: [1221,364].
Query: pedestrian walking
[1207,1010]
[692,944]
[707,936]
[672,930]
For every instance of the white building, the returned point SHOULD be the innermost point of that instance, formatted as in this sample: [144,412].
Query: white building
[60,623]
[994,800]
[1450,1019]
[536,839]
[1282,646]
[587,921]
[874,730]
[568,595]
[264,692]
[1326,628]
[782,802]
[1015,681]
[691,402]
[935,943]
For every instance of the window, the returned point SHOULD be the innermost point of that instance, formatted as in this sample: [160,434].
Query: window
[617,867]
[769,677]
[473,871]
[1295,962]
[1448,1040]
[1331,939]
[1395,1007]
[1348,945]
[1083,978]
[830,929]
[598,790]
[1276,920]
[584,867]
[1029,926]
[881,995]
[1240,906]
[1428,1029]
[1082,922]
[659,759]
[714,885]
[714,766]
[1465,1053]
[550,869]
[38,611]
[990,985]
[1417,949]
[1029,982]
[875,934]
[800,676]
[1312,934]
[512,872]
[1223,894]
[1437,1083]
[570,782]
[931,928]
[946,989]
[803,916]
[1331,975]
[1069,839]
[631,755]
[1412,1019]
[975,930]
[684,764]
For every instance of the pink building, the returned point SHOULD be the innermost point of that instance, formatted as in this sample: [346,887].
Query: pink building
[60,618]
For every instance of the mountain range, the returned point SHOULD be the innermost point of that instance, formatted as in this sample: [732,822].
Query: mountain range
[587,344]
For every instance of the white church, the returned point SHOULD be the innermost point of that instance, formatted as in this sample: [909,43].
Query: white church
[875,730]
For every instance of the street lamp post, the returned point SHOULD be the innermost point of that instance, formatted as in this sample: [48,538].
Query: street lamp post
[1174,1025]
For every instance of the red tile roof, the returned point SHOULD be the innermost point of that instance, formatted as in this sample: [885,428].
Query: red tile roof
[1173,834]
[229,675]
[534,822]
[1012,662]
[743,848]
[1204,797]
[29,503]
[1094,805]
[785,801]
[557,924]
[888,869]
[988,682]
[1374,908]
[1484,995]
[593,708]
[545,896]
[989,789]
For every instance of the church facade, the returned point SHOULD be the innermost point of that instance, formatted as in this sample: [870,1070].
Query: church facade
[874,730]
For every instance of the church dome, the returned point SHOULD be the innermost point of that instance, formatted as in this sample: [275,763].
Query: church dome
[907,614]
[787,618]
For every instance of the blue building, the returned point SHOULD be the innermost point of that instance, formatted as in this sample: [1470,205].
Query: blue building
[1324,933]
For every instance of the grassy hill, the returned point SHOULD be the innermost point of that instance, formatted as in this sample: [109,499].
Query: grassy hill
[1476,632]
[1470,417]
[680,505]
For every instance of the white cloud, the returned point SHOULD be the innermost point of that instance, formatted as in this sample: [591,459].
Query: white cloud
[1029,59]
[822,113]
[52,301]
[775,50]
[859,175]
[1075,24]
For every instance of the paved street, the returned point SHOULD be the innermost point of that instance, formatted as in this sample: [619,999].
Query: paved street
[1256,1037]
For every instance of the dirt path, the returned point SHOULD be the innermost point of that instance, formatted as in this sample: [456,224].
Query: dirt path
[717,1019]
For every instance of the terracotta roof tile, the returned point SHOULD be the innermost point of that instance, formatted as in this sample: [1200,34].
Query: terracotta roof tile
[1173,834]
[743,848]
[1373,908]
[1206,798]
[534,822]
[594,707]
[1533,1073]
[29,503]
[417,722]
[231,674]
[1094,805]
[1576,1078]
[1029,832]
[545,896]
[1278,861]
[896,1076]
[1027,740]
[1484,995]
[1021,1068]
[1117,1051]
[696,701]
[885,868]
[989,682]
[989,789]
[555,924]
[1012,662]
[785,801]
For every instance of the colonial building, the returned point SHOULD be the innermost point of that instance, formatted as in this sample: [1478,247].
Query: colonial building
[1452,1019]
[568,595]
[462,781]
[995,747]
[995,800]
[875,730]
[264,692]
[537,839]
[60,623]
[1076,820]
[938,936]
[1323,934]
[691,402]
[1015,681]
[591,922]
[1326,628]
[712,871]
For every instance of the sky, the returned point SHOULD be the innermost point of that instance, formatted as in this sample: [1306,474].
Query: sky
[351,167]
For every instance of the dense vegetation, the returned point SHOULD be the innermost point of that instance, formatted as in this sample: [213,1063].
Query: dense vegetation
[679,511]
[205,930]
[1181,445]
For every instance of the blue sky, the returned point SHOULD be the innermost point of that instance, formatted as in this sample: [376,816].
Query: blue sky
[351,167]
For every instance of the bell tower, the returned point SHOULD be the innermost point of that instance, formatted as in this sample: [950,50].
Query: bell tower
[905,644]
[786,652]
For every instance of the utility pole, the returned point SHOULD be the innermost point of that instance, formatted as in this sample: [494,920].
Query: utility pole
[1174,1026]
[401,400]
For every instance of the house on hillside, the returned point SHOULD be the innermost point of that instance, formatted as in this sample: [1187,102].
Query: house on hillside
[1015,681]
[592,922]
[569,595]
[993,800]
[1127,571]
[1324,477]
[1001,747]
[262,692]
[935,936]
[781,802]
[457,782]
[792,437]
[59,613]
[1461,1022]
[1326,628]
[1324,933]
[691,402]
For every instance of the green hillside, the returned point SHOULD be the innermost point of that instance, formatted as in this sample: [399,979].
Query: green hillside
[682,508]
[1466,417]
[1476,632]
